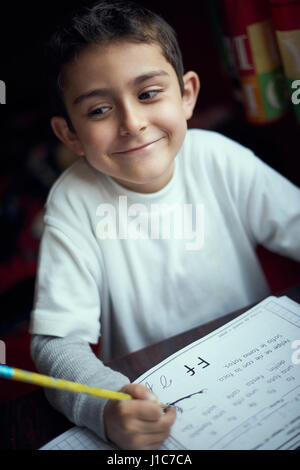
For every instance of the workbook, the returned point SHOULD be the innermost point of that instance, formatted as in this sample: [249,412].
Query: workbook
[238,388]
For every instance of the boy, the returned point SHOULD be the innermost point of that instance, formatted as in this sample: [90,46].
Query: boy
[125,102]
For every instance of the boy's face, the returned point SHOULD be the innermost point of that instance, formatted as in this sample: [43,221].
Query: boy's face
[127,111]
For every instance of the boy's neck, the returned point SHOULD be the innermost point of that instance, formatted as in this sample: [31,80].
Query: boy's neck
[152,186]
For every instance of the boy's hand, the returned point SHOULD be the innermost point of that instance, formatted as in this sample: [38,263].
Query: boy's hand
[140,423]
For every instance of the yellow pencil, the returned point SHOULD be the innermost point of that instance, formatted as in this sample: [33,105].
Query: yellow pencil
[46,381]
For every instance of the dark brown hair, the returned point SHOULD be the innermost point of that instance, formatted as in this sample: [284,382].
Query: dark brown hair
[101,23]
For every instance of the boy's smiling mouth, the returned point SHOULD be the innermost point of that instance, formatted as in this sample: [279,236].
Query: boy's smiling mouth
[139,148]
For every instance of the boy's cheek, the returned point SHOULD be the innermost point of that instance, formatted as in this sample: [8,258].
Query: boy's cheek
[170,121]
[93,140]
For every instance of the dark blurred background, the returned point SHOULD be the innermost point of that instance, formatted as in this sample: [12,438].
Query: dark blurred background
[32,158]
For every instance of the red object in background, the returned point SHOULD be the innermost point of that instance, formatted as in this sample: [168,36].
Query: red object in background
[241,13]
[23,263]
[286,20]
[249,24]
[281,272]
[285,14]
[238,15]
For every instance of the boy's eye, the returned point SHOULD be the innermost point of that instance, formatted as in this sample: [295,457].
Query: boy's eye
[99,111]
[147,95]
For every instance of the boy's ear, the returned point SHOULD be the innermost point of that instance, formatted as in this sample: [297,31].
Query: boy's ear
[66,135]
[191,90]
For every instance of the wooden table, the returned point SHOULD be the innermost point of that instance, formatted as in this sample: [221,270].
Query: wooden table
[29,421]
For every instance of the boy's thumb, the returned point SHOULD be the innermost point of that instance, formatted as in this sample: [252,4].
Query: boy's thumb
[139,391]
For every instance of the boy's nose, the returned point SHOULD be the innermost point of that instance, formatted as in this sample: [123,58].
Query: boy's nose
[132,121]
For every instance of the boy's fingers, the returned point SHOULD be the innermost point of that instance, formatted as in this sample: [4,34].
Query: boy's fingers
[162,424]
[146,431]
[138,423]
[148,409]
[170,413]
[143,410]
[153,412]
[149,417]
[151,441]
[139,391]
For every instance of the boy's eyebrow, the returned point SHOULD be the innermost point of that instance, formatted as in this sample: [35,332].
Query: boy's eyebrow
[146,76]
[103,92]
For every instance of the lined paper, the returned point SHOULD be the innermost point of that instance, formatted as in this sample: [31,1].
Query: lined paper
[236,388]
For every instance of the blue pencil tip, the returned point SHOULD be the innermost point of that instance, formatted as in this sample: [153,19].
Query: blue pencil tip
[6,371]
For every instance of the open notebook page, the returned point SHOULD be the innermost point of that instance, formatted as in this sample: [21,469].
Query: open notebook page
[236,388]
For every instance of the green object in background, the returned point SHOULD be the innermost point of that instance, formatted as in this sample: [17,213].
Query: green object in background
[274,93]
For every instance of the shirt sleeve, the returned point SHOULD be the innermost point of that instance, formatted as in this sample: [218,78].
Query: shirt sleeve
[69,283]
[72,359]
[268,204]
[272,209]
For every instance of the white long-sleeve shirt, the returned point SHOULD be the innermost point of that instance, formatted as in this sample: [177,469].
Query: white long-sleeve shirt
[137,268]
